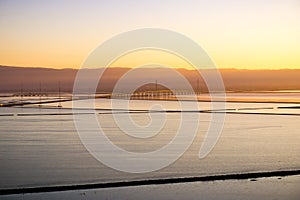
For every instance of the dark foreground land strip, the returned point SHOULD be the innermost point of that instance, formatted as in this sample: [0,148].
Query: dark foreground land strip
[250,175]
[47,114]
[224,111]
[255,113]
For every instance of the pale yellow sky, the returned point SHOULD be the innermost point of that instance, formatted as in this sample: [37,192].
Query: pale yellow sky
[147,57]
[236,34]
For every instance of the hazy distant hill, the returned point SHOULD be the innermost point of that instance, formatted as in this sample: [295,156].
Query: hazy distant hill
[12,79]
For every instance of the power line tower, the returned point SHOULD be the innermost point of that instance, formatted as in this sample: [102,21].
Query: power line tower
[59,96]
[40,94]
[198,87]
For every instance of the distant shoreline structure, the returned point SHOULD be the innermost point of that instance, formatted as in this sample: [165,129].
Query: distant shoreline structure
[11,99]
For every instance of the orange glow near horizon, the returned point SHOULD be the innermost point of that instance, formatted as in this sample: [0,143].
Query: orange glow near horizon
[61,34]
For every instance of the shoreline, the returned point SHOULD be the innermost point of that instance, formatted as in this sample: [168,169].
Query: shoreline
[164,181]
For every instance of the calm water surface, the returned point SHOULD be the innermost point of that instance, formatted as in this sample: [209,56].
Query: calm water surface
[41,149]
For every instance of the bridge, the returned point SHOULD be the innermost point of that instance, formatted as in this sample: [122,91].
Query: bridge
[45,98]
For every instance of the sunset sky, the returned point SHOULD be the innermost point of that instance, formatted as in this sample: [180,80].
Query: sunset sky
[249,34]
